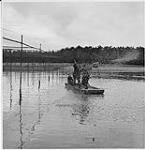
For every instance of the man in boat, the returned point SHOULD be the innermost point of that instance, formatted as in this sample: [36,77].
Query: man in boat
[70,80]
[76,73]
[85,77]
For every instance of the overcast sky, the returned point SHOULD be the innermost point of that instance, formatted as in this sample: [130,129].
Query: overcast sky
[64,24]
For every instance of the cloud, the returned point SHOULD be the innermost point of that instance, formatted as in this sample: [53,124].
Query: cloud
[32,27]
[57,25]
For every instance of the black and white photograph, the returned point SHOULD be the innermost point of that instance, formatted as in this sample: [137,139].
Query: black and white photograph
[73,74]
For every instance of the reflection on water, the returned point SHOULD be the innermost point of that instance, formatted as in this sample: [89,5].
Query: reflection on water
[82,111]
[11,88]
[20,112]
[21,127]
[39,112]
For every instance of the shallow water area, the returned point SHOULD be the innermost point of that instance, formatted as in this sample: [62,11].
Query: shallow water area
[39,112]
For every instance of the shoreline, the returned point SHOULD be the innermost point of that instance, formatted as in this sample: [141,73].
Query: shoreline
[68,67]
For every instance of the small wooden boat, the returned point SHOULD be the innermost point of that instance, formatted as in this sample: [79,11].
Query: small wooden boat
[90,90]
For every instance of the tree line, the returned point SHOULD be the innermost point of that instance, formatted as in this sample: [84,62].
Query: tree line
[81,54]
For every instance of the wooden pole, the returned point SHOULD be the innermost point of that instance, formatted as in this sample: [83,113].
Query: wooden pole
[10,60]
[40,47]
[20,90]
[20,96]
[21,47]
[40,54]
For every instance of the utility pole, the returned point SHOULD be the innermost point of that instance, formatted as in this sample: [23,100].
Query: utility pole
[40,54]
[40,47]
[21,48]
[20,98]
[20,91]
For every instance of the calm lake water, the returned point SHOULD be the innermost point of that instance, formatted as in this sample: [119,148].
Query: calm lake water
[44,114]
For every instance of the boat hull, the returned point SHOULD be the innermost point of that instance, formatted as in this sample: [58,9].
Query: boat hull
[90,90]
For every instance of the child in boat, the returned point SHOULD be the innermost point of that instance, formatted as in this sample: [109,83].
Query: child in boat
[76,73]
